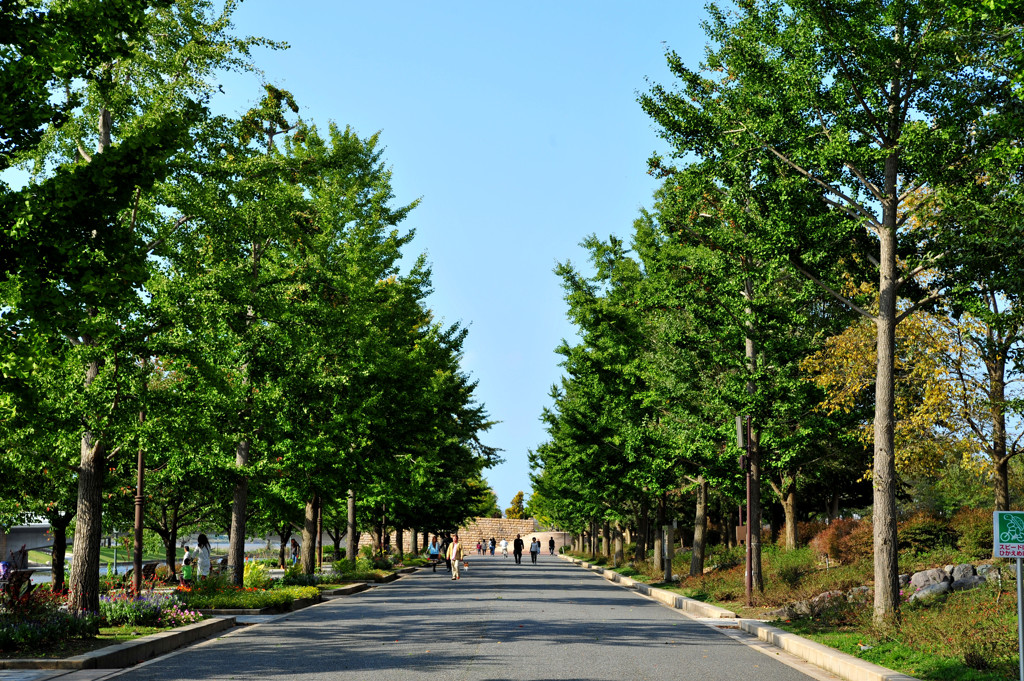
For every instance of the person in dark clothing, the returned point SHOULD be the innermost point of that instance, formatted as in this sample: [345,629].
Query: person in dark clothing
[551,545]
[517,550]
[444,550]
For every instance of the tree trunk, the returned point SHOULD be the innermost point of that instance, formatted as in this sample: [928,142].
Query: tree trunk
[353,540]
[285,533]
[617,557]
[309,535]
[642,531]
[754,452]
[85,568]
[997,412]
[886,566]
[789,508]
[170,551]
[415,546]
[236,538]
[59,526]
[399,542]
[700,529]
[607,539]
[659,548]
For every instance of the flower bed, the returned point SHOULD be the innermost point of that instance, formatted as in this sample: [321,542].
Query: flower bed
[150,609]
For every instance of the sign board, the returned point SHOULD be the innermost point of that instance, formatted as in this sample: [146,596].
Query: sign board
[1008,534]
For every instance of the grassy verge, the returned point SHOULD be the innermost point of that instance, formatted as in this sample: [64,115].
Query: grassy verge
[966,636]
[69,648]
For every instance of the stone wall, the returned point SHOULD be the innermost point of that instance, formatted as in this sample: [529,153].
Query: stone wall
[499,528]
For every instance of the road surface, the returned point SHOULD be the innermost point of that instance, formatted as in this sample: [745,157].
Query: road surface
[552,620]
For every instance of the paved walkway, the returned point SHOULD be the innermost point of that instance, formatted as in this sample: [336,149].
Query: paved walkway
[500,621]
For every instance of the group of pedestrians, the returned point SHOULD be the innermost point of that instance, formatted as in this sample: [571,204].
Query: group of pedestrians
[447,547]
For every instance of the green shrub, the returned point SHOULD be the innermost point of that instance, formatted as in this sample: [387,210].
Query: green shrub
[722,557]
[256,576]
[923,532]
[790,566]
[973,527]
[294,576]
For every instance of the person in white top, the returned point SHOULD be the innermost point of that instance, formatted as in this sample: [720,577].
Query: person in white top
[202,556]
[504,548]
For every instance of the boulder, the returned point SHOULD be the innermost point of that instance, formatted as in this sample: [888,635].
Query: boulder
[930,591]
[962,571]
[949,570]
[860,594]
[802,609]
[904,580]
[969,582]
[926,578]
[988,572]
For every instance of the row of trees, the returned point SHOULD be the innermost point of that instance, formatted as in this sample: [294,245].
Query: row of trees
[834,255]
[217,299]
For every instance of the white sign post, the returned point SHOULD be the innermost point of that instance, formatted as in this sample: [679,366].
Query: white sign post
[1008,542]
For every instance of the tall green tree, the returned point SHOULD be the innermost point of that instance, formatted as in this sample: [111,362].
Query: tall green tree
[862,102]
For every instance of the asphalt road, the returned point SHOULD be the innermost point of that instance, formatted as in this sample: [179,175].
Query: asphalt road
[553,620]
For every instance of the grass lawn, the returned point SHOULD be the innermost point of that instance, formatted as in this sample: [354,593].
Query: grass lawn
[106,556]
[69,648]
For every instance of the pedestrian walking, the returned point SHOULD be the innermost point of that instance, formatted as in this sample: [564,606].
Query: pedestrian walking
[517,549]
[504,548]
[295,551]
[534,550]
[551,545]
[203,556]
[491,545]
[455,555]
[479,547]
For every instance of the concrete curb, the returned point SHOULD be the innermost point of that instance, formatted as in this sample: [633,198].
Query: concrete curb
[672,600]
[130,652]
[831,660]
[345,590]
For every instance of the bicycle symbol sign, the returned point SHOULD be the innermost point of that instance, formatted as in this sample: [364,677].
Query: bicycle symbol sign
[1008,534]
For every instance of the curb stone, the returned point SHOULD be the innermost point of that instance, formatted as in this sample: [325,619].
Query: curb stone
[837,662]
[130,652]
[831,660]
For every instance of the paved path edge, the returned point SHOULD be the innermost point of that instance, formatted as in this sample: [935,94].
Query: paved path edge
[130,652]
[831,660]
[834,661]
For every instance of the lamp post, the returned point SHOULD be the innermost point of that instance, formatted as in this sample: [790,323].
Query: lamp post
[743,442]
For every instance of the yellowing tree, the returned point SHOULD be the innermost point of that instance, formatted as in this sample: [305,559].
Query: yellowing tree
[516,511]
[929,425]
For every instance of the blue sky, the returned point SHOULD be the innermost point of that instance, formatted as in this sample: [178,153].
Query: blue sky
[517,124]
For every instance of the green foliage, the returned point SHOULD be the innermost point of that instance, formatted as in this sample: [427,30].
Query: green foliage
[973,527]
[923,532]
[231,597]
[790,567]
[256,576]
